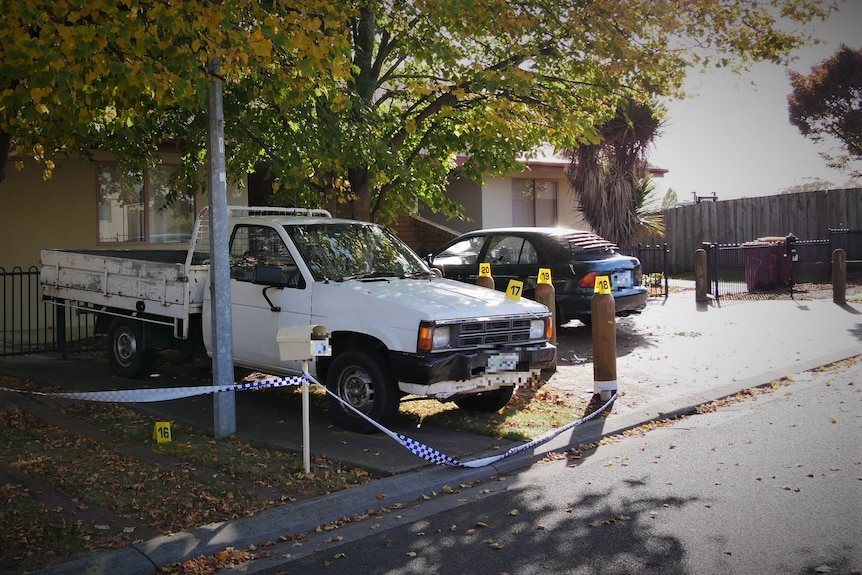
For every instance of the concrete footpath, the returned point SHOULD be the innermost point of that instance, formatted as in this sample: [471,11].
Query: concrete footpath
[676,355]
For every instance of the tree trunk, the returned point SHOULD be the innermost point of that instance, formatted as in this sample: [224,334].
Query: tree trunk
[5,146]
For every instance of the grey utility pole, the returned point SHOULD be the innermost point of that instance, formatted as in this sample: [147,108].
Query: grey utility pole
[224,404]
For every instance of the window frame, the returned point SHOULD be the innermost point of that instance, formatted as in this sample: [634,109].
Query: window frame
[533,187]
[145,206]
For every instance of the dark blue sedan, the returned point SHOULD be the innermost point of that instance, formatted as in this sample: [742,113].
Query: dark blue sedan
[575,257]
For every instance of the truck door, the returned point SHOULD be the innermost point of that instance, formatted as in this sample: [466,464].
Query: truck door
[255,323]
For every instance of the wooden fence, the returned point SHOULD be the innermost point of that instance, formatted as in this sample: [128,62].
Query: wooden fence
[807,215]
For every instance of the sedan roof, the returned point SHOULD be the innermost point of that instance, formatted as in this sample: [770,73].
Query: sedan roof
[573,240]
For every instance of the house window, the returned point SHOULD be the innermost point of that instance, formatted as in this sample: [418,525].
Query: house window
[534,202]
[134,206]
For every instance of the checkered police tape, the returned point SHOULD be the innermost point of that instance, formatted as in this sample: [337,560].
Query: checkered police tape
[165,393]
[262,381]
[427,453]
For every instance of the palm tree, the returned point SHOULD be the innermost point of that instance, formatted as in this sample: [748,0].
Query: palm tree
[648,211]
[605,176]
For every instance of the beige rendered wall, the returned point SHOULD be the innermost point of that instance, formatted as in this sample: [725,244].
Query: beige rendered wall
[58,213]
[37,214]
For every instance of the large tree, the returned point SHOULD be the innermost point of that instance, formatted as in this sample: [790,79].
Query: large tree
[827,103]
[363,106]
[129,75]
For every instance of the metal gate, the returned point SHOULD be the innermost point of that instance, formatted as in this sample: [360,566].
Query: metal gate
[30,325]
[654,265]
[750,270]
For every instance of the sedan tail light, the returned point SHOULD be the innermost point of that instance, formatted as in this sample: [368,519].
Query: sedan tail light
[588,280]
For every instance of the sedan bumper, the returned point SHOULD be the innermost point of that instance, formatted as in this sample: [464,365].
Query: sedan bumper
[574,306]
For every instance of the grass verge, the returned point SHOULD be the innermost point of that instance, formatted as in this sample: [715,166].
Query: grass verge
[84,477]
[80,478]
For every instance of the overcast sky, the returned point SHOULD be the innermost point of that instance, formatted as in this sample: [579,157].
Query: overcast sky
[734,139]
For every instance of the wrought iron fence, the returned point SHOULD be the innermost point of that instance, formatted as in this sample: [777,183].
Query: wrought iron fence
[654,264]
[747,269]
[850,241]
[30,325]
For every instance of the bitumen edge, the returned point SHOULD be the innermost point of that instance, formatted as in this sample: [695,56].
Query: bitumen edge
[270,525]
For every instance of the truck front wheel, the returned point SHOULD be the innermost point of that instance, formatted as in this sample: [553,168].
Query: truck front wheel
[493,400]
[128,356]
[362,380]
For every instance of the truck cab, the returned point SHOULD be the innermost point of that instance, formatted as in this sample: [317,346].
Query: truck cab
[395,327]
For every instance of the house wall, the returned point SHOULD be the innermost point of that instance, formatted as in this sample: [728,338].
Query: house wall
[61,212]
[468,194]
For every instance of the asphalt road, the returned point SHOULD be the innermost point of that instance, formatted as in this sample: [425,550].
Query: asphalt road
[772,485]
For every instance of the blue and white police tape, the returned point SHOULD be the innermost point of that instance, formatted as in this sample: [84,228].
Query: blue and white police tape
[417,448]
[164,393]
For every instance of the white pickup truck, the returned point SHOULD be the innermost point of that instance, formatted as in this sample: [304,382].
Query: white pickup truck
[395,327]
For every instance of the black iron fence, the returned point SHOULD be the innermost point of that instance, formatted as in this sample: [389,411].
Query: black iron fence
[654,263]
[751,268]
[30,325]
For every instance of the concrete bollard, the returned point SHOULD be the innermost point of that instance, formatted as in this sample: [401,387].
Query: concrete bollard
[547,295]
[701,277]
[839,276]
[604,339]
[485,277]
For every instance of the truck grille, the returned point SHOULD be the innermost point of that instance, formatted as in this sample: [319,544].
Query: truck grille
[493,333]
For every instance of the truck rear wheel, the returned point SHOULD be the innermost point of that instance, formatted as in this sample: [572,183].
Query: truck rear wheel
[126,351]
[493,400]
[361,379]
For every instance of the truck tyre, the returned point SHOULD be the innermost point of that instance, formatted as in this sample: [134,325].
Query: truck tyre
[128,356]
[361,379]
[493,400]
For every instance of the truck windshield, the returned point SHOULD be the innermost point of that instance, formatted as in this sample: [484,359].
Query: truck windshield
[354,251]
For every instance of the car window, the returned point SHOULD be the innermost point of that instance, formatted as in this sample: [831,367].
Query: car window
[463,253]
[353,250]
[511,250]
[260,245]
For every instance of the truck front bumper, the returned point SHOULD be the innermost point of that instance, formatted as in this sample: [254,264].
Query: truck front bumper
[443,375]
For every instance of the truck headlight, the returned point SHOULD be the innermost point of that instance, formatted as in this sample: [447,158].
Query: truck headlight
[433,337]
[538,329]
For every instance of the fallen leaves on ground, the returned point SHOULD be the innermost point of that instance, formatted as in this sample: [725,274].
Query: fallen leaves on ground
[97,494]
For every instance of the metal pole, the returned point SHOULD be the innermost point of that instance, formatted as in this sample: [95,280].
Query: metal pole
[716,250]
[224,404]
[665,252]
[60,322]
[306,422]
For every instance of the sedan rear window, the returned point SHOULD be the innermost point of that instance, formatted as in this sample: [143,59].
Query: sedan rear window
[579,242]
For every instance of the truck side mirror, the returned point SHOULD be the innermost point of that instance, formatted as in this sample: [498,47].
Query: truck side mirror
[267,276]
